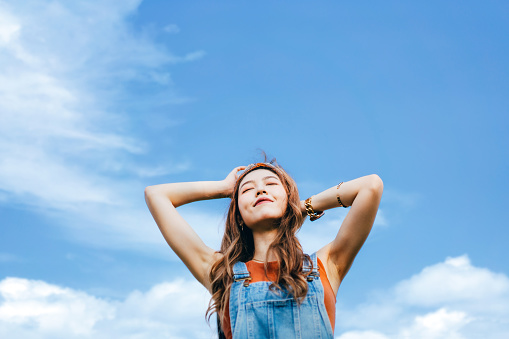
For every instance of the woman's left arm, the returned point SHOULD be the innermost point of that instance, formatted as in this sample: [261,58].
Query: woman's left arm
[363,195]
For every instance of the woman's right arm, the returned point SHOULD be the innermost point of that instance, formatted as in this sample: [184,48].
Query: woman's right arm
[162,201]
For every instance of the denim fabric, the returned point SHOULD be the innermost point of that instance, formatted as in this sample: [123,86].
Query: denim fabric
[257,312]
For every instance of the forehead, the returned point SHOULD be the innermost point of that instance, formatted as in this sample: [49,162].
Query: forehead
[258,174]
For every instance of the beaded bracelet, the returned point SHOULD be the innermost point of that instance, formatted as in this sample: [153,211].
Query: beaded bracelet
[339,199]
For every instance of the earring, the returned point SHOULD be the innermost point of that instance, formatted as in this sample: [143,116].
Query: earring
[242,225]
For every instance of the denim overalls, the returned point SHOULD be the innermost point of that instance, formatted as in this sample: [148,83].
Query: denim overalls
[256,312]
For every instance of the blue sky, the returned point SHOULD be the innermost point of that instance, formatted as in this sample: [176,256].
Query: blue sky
[99,99]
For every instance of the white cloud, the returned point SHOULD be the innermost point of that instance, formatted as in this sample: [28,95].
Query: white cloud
[36,309]
[451,299]
[9,28]
[454,281]
[66,141]
[439,324]
[35,306]
[362,335]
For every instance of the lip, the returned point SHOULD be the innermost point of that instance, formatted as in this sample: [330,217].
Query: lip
[262,200]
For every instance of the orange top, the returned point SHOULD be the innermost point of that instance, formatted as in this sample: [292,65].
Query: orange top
[258,274]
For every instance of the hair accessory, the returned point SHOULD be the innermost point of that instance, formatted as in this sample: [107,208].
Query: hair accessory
[251,167]
[339,199]
[309,210]
[254,166]
[259,164]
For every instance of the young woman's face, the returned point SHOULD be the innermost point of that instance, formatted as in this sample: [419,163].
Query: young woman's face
[262,198]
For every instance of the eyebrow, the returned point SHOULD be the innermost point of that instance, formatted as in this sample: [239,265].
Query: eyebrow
[264,178]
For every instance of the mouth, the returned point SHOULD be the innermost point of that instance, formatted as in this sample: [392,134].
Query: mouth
[262,201]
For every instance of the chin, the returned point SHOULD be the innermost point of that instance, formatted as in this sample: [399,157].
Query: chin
[271,221]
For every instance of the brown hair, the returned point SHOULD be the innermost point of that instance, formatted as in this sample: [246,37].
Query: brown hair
[238,245]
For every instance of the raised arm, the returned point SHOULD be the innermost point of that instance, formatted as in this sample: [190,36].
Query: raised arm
[162,201]
[363,195]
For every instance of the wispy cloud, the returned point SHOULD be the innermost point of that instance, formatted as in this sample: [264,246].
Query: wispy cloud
[172,29]
[401,198]
[134,229]
[67,144]
[8,257]
[329,225]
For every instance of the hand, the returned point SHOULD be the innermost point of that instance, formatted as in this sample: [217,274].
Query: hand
[231,179]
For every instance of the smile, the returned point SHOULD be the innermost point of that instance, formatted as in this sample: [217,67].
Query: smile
[262,201]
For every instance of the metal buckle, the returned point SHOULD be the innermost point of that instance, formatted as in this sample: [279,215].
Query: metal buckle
[313,275]
[242,278]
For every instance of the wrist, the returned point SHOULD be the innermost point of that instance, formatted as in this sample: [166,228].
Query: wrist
[311,212]
[224,189]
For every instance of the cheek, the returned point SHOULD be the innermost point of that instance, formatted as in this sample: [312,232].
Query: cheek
[283,199]
[242,205]
[284,204]
[283,194]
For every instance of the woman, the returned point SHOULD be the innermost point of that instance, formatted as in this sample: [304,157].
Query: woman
[262,284]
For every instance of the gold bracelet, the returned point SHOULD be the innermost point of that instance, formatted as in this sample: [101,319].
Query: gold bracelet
[309,210]
[339,199]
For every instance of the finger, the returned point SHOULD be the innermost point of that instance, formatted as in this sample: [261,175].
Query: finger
[238,169]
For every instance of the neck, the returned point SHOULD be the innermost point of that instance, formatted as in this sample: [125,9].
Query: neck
[262,241]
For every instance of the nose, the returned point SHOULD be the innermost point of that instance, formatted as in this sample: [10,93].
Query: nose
[261,191]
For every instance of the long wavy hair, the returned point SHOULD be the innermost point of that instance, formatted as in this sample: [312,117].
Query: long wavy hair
[238,245]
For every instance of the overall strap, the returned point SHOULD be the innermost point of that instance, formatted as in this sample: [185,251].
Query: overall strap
[240,273]
[307,267]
